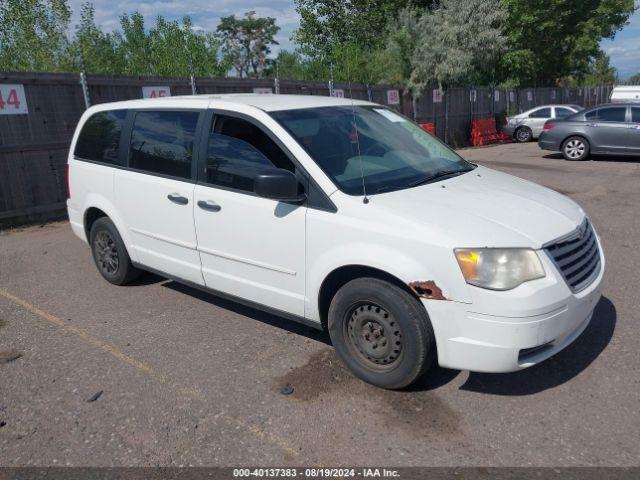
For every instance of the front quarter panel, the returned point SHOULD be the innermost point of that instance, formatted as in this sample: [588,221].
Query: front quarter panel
[346,238]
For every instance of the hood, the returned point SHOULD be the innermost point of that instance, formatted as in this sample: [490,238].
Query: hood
[484,208]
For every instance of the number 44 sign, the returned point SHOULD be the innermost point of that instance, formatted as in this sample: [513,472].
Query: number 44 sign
[12,100]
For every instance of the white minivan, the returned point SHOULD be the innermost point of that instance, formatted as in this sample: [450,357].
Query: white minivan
[342,215]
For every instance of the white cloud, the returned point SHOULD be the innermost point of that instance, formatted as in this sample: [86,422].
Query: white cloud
[205,15]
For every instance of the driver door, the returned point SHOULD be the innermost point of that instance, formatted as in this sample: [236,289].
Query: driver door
[250,247]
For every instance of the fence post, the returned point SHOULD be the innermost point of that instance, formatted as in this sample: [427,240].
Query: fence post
[85,90]
[192,81]
[276,85]
[446,115]
[370,95]
[414,107]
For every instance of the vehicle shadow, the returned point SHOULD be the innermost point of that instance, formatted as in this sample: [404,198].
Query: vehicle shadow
[253,313]
[557,370]
[147,278]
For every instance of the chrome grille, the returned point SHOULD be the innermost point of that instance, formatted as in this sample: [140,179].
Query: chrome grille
[577,256]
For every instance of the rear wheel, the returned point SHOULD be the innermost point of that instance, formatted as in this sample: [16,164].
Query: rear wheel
[381,332]
[110,254]
[575,148]
[524,134]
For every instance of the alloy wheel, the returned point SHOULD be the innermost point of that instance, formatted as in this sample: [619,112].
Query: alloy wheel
[575,149]
[523,135]
[106,252]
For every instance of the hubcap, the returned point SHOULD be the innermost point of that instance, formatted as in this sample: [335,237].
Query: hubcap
[574,149]
[106,252]
[523,135]
[374,334]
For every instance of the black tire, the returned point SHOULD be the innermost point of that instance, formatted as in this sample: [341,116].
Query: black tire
[369,311]
[576,149]
[523,135]
[109,253]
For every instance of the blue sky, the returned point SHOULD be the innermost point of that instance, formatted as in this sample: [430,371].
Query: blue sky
[624,49]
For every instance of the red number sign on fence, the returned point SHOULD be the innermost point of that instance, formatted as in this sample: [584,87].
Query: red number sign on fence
[155,92]
[12,100]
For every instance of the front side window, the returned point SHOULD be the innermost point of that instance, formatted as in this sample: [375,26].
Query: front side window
[635,114]
[162,142]
[99,139]
[542,113]
[238,151]
[373,146]
[609,114]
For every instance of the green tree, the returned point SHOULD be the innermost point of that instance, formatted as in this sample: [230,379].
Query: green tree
[33,35]
[134,46]
[402,39]
[552,39]
[247,41]
[635,79]
[92,50]
[600,71]
[459,44]
[327,23]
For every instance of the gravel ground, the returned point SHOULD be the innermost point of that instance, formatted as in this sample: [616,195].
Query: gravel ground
[160,374]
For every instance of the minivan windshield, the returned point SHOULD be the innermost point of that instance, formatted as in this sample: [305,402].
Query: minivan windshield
[371,146]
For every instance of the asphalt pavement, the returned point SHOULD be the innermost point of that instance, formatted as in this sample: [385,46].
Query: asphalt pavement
[160,374]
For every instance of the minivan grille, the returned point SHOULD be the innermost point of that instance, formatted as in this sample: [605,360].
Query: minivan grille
[577,257]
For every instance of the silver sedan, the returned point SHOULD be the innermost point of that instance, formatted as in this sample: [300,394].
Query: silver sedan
[527,126]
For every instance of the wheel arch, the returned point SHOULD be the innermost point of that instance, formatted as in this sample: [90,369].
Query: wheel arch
[340,276]
[97,207]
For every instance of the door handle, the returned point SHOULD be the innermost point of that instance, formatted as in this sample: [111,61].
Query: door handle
[177,198]
[209,205]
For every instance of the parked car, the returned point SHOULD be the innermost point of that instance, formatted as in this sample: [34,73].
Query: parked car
[527,126]
[607,130]
[625,94]
[342,215]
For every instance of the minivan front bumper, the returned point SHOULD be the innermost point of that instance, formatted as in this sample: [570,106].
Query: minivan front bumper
[538,320]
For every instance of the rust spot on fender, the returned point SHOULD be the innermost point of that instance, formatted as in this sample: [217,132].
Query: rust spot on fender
[427,289]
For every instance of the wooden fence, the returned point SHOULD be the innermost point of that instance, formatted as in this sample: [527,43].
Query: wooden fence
[34,146]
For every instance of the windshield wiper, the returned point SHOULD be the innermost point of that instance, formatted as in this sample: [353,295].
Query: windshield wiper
[435,176]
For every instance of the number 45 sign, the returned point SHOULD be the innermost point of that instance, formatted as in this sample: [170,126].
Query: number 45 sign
[12,100]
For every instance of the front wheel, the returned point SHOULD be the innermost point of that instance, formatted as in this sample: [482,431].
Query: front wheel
[575,148]
[381,332]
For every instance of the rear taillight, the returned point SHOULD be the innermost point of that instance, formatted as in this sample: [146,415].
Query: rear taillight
[68,189]
[548,127]
[505,121]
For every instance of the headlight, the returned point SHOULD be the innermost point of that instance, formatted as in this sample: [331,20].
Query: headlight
[499,268]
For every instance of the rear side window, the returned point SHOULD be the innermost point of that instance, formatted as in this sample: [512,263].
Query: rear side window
[238,150]
[635,114]
[99,139]
[162,142]
[610,114]
[542,113]
[563,112]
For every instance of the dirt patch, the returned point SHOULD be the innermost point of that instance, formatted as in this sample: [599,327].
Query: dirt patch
[421,413]
[2,323]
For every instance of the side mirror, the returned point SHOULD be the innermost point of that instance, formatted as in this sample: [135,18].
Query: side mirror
[278,184]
